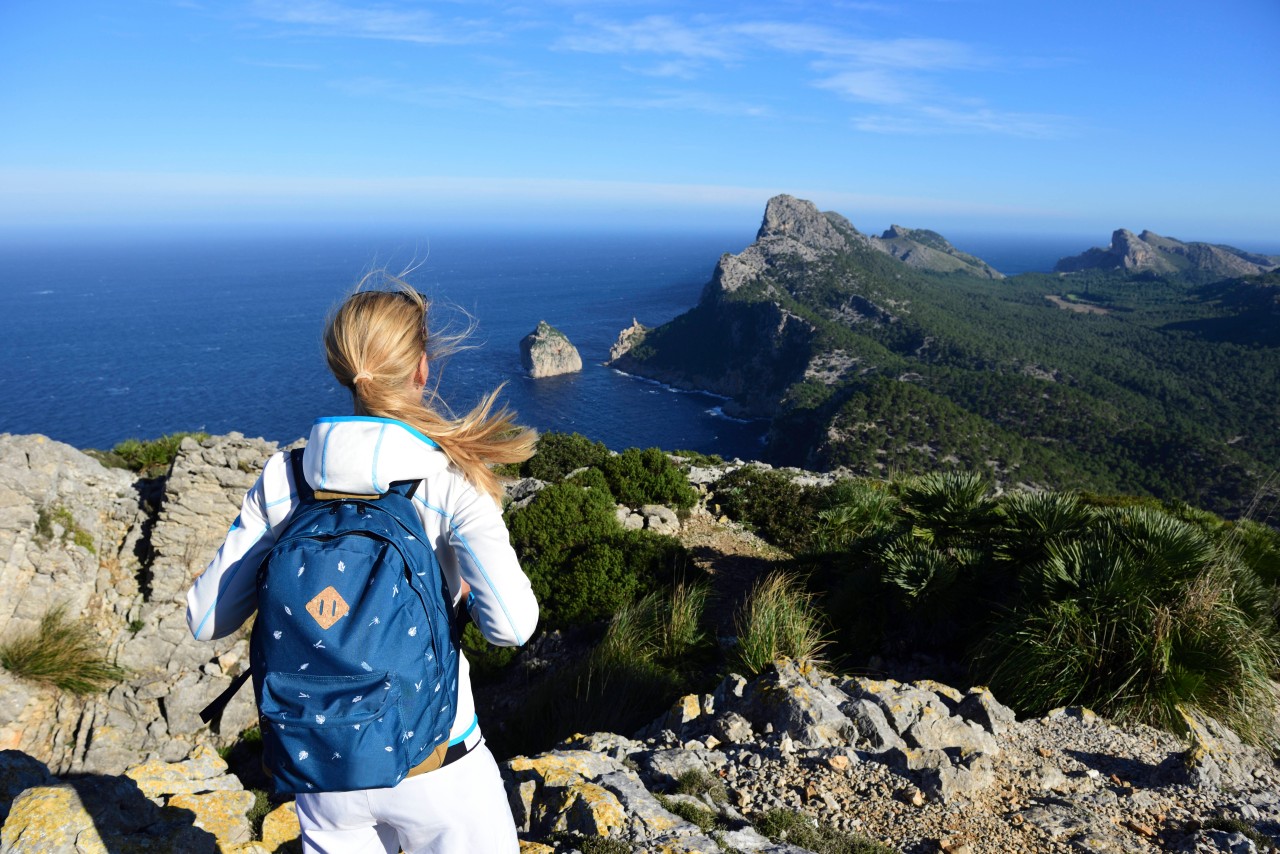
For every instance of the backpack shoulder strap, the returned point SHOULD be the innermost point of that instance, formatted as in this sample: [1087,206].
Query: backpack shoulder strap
[306,494]
[405,487]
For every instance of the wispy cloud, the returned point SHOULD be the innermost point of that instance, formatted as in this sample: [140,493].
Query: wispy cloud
[926,119]
[529,92]
[331,18]
[910,79]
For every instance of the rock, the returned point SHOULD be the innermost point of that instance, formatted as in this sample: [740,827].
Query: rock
[205,771]
[98,815]
[1150,252]
[627,339]
[979,706]
[661,769]
[660,519]
[546,352]
[280,827]
[794,697]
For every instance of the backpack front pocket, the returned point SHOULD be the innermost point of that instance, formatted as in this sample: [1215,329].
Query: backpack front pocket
[332,733]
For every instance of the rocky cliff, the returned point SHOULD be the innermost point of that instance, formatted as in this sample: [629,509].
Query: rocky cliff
[917,765]
[1150,252]
[547,352]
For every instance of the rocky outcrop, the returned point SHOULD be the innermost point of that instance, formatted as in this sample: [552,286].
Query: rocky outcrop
[927,250]
[195,805]
[547,352]
[119,558]
[1150,252]
[920,766]
[627,339]
[915,764]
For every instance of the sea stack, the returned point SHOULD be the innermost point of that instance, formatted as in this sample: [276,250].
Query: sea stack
[627,338]
[546,352]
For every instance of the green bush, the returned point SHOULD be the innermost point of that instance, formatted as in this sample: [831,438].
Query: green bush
[642,662]
[148,457]
[639,477]
[582,564]
[62,653]
[560,453]
[771,504]
[1134,618]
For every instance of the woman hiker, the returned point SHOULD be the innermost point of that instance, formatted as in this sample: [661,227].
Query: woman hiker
[378,346]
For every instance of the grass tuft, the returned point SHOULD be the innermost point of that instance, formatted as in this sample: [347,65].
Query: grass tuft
[62,653]
[797,829]
[778,620]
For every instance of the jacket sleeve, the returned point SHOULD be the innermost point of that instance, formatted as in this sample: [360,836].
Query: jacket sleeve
[226,594]
[503,607]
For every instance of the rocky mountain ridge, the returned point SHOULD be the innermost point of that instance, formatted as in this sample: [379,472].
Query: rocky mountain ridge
[1150,252]
[918,765]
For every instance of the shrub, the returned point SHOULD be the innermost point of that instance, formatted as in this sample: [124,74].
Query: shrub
[777,620]
[62,653]
[1134,618]
[769,503]
[149,457]
[582,564]
[560,453]
[639,477]
[626,680]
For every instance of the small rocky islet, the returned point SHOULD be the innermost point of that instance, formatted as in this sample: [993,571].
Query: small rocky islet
[913,764]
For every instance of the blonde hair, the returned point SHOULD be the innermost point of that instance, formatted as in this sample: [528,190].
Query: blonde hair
[374,343]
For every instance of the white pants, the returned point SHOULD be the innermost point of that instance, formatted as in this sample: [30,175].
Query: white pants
[460,809]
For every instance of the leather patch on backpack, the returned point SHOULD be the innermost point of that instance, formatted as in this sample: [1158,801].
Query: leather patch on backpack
[327,607]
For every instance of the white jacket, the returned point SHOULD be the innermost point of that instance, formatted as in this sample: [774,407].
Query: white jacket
[363,455]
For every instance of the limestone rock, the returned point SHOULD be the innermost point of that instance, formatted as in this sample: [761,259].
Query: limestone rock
[1151,252]
[547,352]
[627,339]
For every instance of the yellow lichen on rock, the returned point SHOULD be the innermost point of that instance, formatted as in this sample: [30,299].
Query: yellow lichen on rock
[224,814]
[50,818]
[281,826]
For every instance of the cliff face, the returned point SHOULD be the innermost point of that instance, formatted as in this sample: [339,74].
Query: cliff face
[1150,252]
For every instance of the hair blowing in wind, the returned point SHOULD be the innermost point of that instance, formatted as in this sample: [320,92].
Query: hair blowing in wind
[375,342]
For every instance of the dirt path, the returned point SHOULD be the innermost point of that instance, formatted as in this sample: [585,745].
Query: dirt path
[732,556]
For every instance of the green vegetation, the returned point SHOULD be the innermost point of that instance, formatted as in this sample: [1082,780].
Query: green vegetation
[777,620]
[50,518]
[62,653]
[150,458]
[582,564]
[645,657]
[1129,605]
[1154,391]
[797,829]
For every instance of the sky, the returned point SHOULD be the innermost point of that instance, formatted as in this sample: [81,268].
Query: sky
[973,116]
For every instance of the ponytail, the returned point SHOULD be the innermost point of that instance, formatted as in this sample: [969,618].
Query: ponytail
[375,343]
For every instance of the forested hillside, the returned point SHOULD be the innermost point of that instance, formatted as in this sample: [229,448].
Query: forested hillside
[1115,381]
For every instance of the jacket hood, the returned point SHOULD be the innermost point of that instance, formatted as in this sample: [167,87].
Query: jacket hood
[363,455]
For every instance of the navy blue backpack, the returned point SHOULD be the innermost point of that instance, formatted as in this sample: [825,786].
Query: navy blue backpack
[353,654]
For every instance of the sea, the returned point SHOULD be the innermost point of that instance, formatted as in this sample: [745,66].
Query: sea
[102,341]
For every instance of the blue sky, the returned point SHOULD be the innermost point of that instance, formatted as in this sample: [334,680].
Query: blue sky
[959,115]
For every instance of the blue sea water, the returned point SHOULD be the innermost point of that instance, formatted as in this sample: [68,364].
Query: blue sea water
[100,341]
